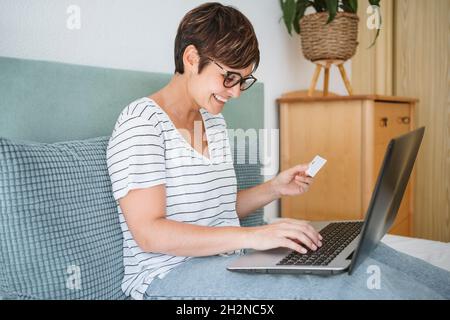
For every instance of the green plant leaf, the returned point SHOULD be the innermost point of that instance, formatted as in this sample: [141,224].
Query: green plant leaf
[332,7]
[288,8]
[319,5]
[349,6]
[302,5]
[354,5]
[345,6]
[374,2]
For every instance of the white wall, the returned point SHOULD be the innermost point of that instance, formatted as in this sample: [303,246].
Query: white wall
[139,35]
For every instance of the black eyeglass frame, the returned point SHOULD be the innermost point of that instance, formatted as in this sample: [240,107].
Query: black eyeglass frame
[240,82]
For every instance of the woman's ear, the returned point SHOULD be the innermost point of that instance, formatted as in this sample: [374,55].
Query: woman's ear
[191,59]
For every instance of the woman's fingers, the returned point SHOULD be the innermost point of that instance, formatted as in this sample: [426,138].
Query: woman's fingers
[301,226]
[295,234]
[314,231]
[288,243]
[304,186]
[303,179]
[295,223]
[300,237]
[309,231]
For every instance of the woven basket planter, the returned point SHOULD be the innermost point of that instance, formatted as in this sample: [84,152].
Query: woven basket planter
[334,41]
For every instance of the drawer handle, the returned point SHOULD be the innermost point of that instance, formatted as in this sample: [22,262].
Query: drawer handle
[383,122]
[404,120]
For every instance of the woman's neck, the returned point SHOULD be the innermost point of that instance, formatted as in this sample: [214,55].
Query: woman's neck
[175,101]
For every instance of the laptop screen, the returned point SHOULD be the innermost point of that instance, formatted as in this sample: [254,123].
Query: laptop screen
[392,179]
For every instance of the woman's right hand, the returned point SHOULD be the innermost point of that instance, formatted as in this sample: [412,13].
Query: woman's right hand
[297,235]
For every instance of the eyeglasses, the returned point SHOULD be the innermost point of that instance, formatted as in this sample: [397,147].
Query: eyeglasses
[233,78]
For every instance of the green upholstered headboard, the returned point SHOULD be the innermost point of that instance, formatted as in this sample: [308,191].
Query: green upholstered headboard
[48,101]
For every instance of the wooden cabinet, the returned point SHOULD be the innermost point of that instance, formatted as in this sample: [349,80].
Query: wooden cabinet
[352,133]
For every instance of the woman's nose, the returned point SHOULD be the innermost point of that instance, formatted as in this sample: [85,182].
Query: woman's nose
[235,91]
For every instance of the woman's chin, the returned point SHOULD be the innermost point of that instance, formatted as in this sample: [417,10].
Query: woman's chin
[215,107]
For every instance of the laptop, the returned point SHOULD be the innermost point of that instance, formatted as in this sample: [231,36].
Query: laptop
[346,244]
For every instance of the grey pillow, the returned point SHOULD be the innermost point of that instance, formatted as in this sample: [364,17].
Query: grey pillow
[60,236]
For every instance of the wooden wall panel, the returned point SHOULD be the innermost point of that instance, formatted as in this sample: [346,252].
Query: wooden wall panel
[411,58]
[422,57]
[372,68]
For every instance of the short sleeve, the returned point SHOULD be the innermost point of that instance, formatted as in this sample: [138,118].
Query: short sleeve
[135,156]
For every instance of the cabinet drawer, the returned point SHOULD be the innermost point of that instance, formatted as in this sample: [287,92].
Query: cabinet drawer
[352,135]
[334,132]
[391,120]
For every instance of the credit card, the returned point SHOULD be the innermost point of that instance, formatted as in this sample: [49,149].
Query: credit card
[316,164]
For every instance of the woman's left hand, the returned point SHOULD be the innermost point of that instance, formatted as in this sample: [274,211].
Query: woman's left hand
[292,182]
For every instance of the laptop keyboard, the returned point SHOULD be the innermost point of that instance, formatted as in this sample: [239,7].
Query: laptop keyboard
[336,237]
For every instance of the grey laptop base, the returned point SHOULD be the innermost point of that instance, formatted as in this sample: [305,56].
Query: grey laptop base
[347,243]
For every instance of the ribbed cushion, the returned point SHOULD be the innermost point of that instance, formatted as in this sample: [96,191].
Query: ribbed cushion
[58,222]
[58,217]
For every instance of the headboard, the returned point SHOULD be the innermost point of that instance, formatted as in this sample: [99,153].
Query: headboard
[48,101]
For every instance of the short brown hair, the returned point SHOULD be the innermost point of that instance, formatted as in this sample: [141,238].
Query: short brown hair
[218,32]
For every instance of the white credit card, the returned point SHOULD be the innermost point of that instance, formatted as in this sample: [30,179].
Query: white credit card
[315,166]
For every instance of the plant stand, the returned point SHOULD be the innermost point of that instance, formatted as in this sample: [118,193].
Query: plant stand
[326,65]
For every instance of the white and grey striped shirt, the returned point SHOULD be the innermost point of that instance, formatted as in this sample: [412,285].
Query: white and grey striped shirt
[145,150]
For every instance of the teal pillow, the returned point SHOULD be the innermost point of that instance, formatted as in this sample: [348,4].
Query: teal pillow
[60,235]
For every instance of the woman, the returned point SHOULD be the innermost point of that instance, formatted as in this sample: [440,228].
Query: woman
[176,197]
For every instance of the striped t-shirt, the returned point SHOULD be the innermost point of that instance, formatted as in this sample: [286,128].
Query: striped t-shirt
[145,150]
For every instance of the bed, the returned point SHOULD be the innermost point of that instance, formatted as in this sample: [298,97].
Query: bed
[435,252]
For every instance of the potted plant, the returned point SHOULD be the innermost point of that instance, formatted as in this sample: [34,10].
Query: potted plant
[329,34]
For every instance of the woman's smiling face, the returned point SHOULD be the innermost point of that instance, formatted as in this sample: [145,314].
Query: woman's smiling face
[215,40]
[208,90]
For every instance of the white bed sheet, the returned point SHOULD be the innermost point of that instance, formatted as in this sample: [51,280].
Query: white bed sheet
[434,252]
